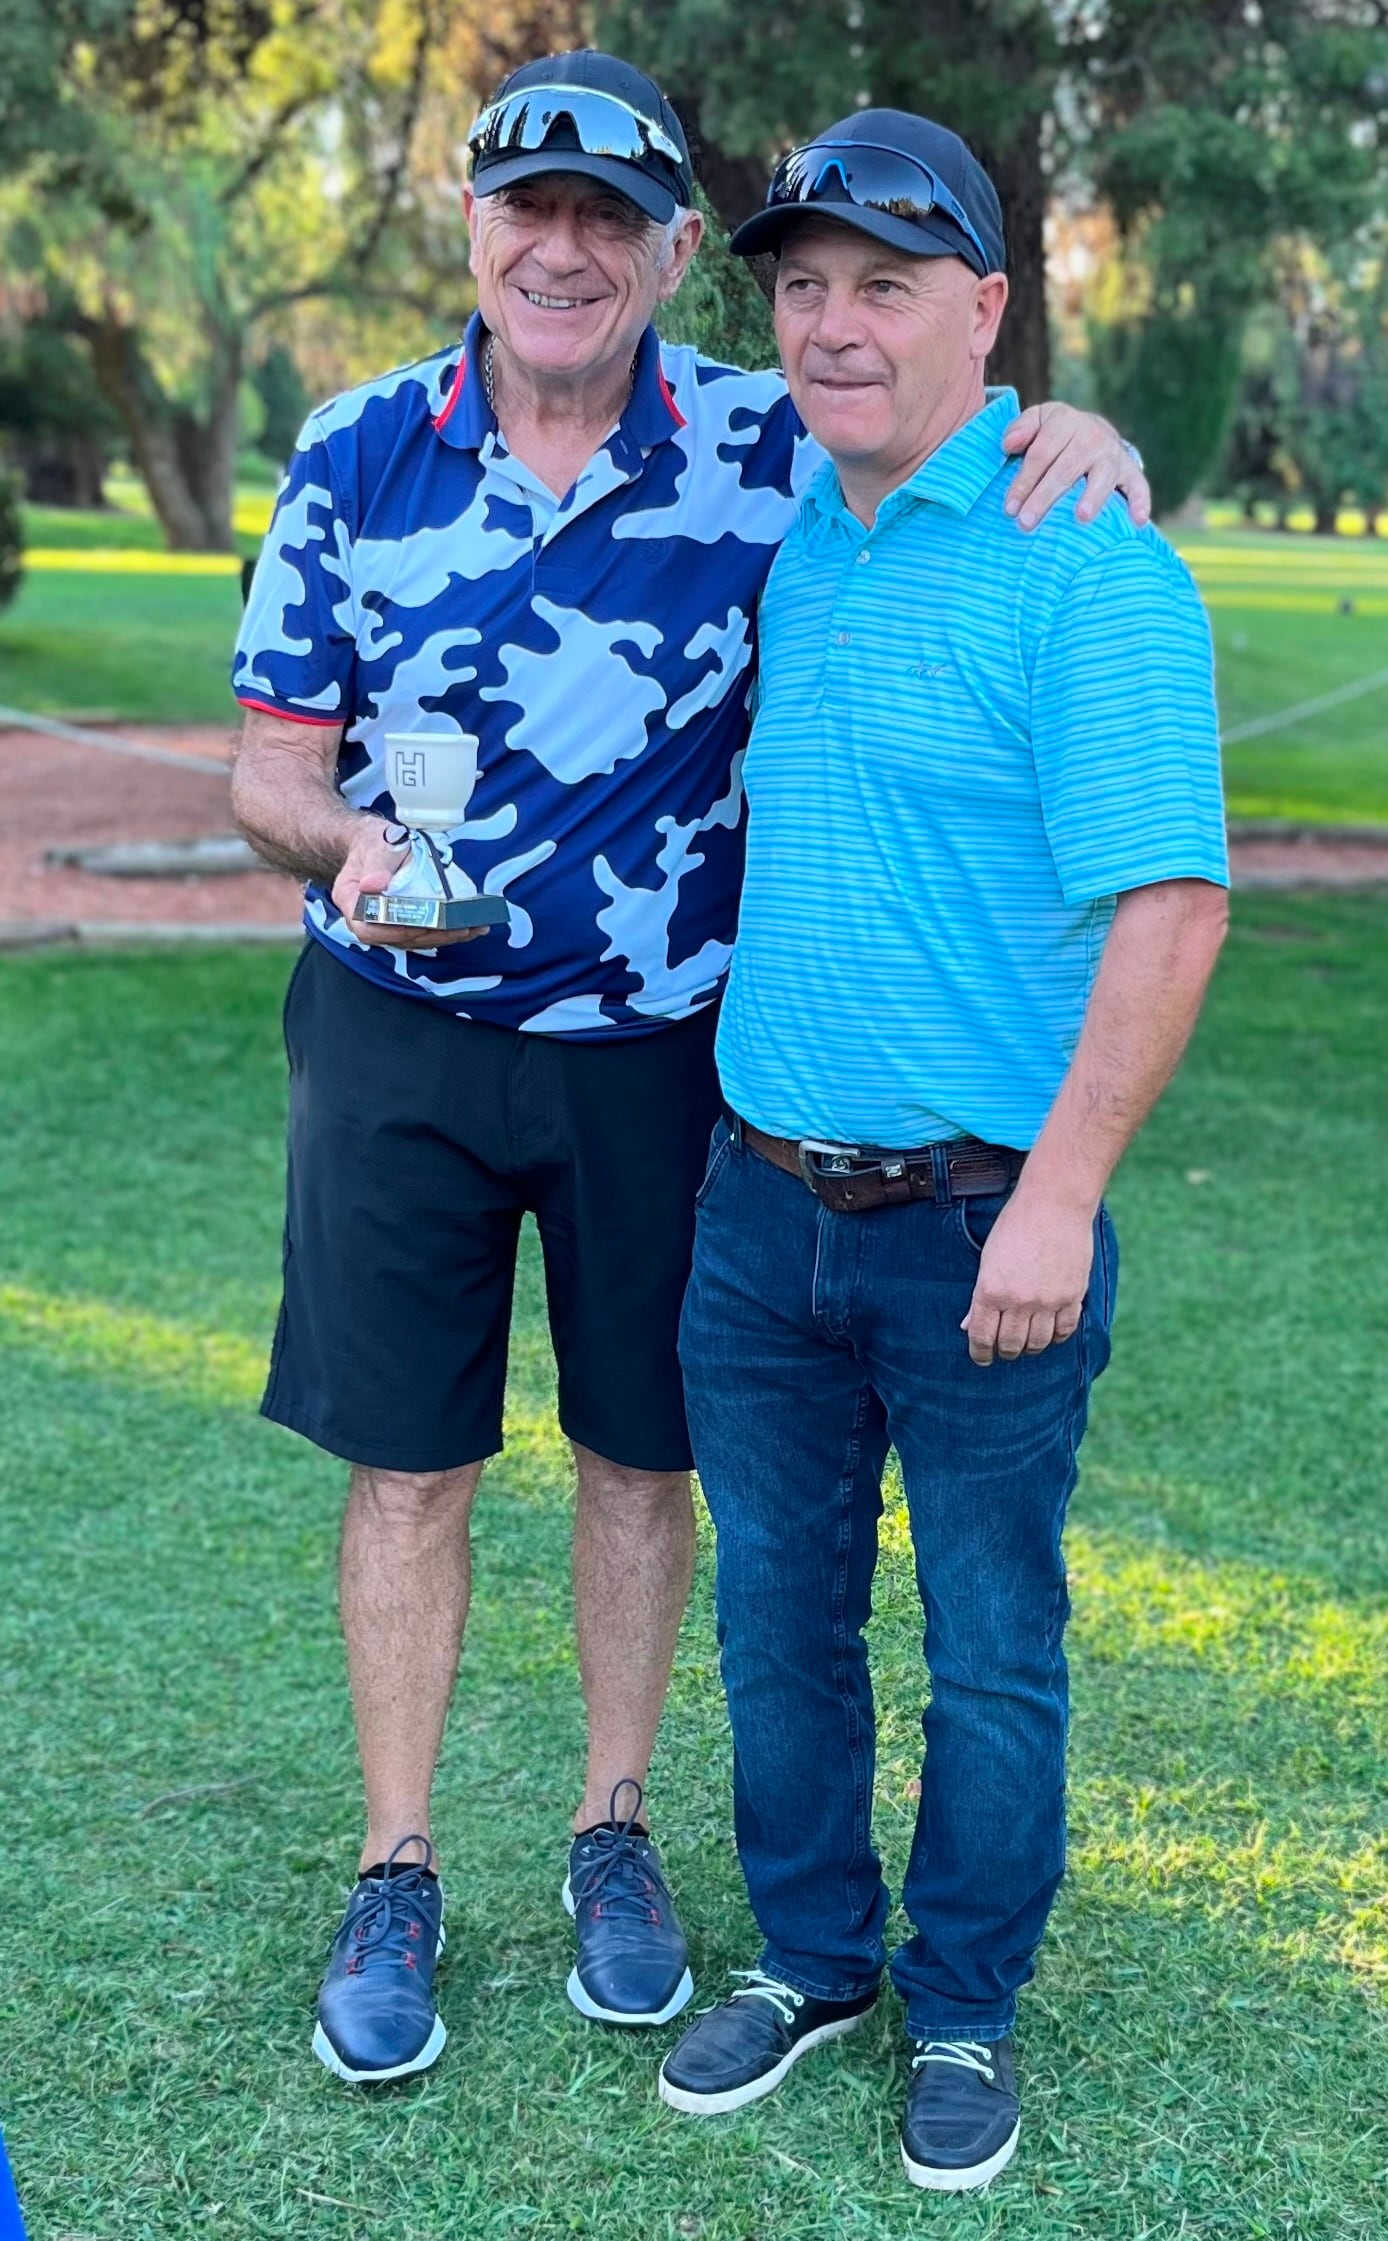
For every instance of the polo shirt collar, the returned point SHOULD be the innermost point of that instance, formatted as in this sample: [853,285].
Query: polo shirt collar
[465,419]
[954,477]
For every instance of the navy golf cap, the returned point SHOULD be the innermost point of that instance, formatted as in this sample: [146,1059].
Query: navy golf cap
[892,132]
[656,180]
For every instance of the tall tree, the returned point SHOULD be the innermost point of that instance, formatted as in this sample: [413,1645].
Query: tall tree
[1219,131]
[1312,421]
[755,80]
[1213,126]
[203,166]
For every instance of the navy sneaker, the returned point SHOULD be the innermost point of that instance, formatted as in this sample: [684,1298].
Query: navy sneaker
[376,2013]
[740,2051]
[962,2114]
[633,1962]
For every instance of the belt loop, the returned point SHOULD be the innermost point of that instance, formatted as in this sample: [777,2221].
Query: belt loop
[939,1161]
[734,1127]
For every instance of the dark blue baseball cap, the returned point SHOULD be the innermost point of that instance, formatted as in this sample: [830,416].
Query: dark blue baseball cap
[589,113]
[900,178]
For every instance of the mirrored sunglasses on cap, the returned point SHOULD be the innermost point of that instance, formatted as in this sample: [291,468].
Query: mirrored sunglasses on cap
[872,178]
[521,122]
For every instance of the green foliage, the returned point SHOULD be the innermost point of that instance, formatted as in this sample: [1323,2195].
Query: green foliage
[46,385]
[1168,379]
[1216,131]
[38,38]
[11,537]
[284,401]
[720,309]
[201,170]
[1212,131]
[1330,379]
[1203,2051]
[762,77]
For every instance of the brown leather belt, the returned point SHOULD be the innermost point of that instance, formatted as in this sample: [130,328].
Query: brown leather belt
[854,1179]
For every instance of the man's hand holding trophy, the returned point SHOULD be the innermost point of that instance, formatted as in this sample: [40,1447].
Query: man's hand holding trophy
[400,885]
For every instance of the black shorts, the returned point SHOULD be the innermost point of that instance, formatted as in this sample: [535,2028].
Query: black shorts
[417,1141]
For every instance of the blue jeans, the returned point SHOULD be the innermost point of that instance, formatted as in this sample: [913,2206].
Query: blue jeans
[811,1343]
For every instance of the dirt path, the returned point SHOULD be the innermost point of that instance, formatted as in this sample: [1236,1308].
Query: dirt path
[57,793]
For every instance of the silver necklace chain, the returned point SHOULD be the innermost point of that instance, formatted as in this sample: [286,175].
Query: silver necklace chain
[489,376]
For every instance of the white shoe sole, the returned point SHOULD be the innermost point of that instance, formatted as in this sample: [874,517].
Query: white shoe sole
[940,2181]
[756,2089]
[331,2060]
[430,2051]
[587,2005]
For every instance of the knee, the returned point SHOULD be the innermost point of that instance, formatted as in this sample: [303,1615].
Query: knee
[415,1500]
[606,1485]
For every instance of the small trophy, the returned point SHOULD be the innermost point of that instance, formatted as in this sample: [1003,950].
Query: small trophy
[431,775]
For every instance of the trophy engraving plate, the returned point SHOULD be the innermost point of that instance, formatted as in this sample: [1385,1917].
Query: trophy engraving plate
[434,913]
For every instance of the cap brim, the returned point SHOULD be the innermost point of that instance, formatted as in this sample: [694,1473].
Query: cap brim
[625,178]
[929,237]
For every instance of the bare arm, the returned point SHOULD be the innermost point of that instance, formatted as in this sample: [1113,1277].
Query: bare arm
[284,797]
[1146,998]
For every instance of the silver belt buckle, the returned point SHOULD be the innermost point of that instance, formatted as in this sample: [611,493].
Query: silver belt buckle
[838,1158]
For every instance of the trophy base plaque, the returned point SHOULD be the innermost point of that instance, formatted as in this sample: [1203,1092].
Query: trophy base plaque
[435,914]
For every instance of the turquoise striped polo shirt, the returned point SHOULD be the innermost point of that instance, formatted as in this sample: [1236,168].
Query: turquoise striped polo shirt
[968,742]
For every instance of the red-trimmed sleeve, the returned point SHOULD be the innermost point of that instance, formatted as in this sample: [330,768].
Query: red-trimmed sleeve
[297,648]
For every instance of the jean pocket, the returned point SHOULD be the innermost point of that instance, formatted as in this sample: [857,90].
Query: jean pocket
[974,1217]
[720,1145]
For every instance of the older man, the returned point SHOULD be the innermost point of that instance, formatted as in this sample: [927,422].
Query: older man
[552,538]
[984,891]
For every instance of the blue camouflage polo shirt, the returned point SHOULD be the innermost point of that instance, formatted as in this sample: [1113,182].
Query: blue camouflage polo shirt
[416,576]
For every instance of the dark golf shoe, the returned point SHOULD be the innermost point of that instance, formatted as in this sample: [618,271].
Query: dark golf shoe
[376,2013]
[962,2114]
[740,2052]
[633,1962]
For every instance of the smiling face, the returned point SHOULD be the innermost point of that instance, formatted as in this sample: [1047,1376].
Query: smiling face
[883,352]
[569,273]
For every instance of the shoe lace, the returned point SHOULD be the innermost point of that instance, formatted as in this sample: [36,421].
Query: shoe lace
[395,1918]
[963,2054]
[619,1877]
[760,1986]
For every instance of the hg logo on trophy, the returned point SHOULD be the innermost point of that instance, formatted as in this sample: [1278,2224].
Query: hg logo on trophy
[432,776]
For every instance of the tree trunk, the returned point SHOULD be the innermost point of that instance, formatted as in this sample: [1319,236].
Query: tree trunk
[1022,357]
[186,464]
[735,185]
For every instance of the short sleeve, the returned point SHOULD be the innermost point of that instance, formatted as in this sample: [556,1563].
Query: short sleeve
[1125,730]
[297,645]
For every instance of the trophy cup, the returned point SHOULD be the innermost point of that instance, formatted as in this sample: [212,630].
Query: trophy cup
[431,775]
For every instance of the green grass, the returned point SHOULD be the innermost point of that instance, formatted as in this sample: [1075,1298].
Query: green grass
[1205,2047]
[1280,640]
[137,649]
[157,648]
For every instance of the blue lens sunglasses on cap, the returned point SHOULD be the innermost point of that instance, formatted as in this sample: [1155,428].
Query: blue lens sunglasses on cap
[871,178]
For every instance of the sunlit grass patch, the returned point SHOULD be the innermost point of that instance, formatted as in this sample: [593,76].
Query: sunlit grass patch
[148,1349]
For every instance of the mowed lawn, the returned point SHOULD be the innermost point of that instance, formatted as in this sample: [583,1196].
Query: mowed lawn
[1206,2048]
[92,634]
[1296,618]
